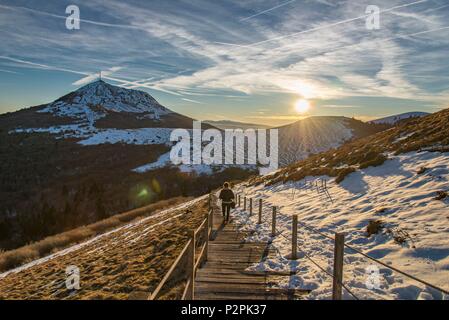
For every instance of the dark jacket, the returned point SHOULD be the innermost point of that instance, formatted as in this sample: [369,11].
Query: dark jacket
[226,195]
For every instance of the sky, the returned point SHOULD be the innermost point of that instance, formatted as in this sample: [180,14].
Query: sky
[248,61]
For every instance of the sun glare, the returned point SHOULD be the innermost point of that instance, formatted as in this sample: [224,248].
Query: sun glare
[302,106]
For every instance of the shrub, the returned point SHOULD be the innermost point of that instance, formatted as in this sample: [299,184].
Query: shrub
[421,170]
[374,227]
[378,161]
[441,195]
[12,259]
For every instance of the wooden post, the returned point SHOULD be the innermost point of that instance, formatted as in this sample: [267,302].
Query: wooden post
[338,266]
[250,206]
[210,201]
[273,223]
[211,221]
[239,200]
[191,268]
[260,211]
[244,204]
[295,237]
[207,237]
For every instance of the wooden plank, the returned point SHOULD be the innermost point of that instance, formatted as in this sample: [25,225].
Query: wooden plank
[227,280]
[247,288]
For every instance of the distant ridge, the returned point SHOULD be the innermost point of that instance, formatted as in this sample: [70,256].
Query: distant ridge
[398,117]
[229,124]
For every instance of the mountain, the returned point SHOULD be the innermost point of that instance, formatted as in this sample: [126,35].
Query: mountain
[97,106]
[399,117]
[312,135]
[79,159]
[228,124]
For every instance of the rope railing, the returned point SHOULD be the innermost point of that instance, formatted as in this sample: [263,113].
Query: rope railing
[275,233]
[380,262]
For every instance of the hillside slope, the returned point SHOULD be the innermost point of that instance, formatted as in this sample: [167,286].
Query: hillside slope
[400,117]
[313,135]
[125,263]
[413,233]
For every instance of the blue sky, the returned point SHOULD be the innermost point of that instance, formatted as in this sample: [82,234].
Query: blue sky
[241,60]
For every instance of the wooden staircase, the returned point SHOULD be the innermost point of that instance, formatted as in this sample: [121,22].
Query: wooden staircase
[224,275]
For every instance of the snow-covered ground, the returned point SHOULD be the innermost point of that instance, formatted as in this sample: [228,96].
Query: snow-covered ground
[393,193]
[93,136]
[144,136]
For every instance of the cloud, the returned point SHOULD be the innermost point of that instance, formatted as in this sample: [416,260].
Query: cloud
[92,77]
[319,50]
[268,10]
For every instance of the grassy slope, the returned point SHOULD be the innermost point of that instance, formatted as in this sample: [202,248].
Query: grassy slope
[430,133]
[126,263]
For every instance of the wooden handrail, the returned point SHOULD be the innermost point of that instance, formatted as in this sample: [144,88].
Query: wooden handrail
[201,226]
[186,289]
[196,261]
[170,271]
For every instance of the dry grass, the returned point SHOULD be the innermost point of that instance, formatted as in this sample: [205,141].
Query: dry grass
[441,195]
[15,258]
[430,133]
[343,173]
[125,264]
[421,170]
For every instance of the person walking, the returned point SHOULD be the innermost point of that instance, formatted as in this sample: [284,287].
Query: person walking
[227,198]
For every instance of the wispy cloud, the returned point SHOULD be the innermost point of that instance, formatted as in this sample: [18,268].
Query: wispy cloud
[267,10]
[8,71]
[92,77]
[192,101]
[318,50]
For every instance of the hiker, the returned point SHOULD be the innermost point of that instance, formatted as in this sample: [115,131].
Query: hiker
[227,201]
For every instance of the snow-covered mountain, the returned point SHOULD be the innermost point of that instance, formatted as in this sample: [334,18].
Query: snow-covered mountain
[396,118]
[97,99]
[100,113]
[318,134]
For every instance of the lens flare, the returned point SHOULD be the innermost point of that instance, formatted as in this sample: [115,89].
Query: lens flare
[302,106]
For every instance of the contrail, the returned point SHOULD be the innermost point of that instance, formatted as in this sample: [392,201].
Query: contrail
[121,81]
[103,24]
[400,36]
[321,27]
[268,10]
[43,66]
[8,71]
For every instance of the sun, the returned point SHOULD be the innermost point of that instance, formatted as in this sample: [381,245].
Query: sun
[302,106]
